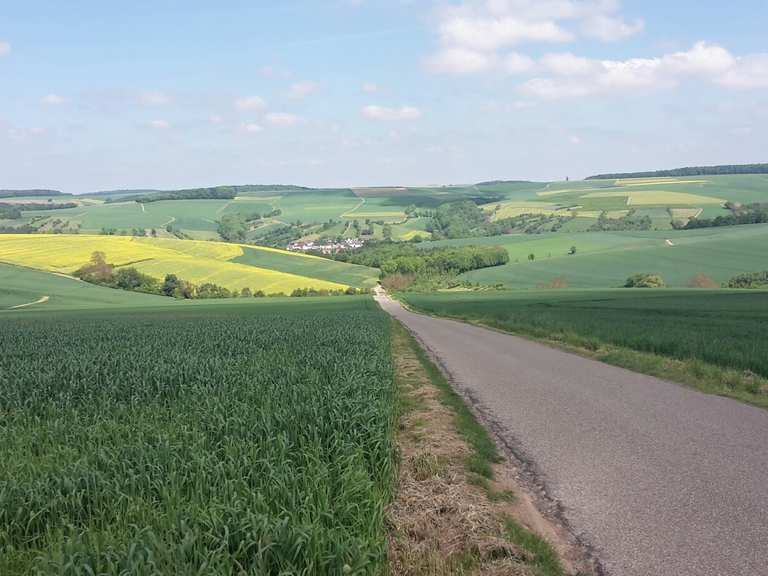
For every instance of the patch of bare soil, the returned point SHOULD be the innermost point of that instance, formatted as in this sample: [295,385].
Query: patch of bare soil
[445,519]
[702,281]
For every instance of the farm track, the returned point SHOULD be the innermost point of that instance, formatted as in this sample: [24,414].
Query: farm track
[41,300]
[656,478]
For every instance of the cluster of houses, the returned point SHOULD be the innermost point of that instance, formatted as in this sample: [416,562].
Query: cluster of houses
[327,246]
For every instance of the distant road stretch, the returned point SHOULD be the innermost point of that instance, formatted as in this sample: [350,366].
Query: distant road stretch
[660,479]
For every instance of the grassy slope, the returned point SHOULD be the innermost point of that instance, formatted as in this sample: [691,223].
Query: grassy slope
[606,259]
[702,329]
[22,285]
[198,262]
[312,267]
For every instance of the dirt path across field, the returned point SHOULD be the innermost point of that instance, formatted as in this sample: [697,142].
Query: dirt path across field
[41,300]
[659,479]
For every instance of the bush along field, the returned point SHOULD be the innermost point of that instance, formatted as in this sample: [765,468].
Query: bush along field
[240,439]
[713,340]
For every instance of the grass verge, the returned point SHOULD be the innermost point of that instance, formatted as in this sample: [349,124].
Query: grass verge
[452,514]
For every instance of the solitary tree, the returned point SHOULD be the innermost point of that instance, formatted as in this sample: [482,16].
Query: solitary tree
[531,257]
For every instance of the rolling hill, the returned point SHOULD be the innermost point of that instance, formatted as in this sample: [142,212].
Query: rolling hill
[606,259]
[24,288]
[229,265]
[407,212]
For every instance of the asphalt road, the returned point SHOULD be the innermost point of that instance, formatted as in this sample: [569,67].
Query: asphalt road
[658,478]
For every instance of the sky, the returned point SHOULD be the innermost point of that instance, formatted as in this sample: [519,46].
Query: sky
[165,94]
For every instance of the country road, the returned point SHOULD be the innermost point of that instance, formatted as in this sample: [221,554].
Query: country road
[659,479]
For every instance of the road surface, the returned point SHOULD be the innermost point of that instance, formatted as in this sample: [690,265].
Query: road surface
[659,479]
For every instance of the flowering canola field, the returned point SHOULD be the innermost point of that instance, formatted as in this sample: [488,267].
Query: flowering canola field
[196,261]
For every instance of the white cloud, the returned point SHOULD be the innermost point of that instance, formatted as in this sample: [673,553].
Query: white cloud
[515,63]
[383,113]
[371,88]
[22,133]
[573,76]
[575,140]
[215,119]
[5,48]
[53,100]
[250,127]
[154,99]
[477,35]
[489,33]
[282,119]
[301,90]
[611,28]
[747,72]
[567,64]
[160,124]
[250,103]
[461,61]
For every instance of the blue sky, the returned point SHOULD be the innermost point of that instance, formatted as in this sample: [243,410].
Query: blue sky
[166,94]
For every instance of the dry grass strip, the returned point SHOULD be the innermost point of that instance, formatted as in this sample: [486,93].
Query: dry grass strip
[446,519]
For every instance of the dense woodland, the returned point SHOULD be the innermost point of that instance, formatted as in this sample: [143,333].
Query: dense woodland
[690,171]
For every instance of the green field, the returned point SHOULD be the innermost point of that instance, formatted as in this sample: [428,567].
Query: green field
[312,267]
[204,439]
[721,328]
[586,200]
[606,259]
[23,285]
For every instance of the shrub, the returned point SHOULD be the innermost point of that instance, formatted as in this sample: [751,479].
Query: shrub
[749,280]
[645,280]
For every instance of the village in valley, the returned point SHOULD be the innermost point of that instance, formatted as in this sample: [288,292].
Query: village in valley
[327,246]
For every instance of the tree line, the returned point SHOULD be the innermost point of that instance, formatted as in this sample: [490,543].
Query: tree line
[30,193]
[99,271]
[221,193]
[749,214]
[629,222]
[689,171]
[10,211]
[211,193]
[392,257]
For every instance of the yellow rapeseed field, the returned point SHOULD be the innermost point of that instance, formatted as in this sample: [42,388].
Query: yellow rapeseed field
[657,197]
[196,261]
[512,209]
